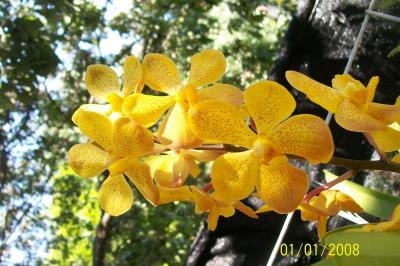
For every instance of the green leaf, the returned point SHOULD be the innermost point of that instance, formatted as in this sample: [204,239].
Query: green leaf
[372,201]
[394,51]
[388,3]
[375,248]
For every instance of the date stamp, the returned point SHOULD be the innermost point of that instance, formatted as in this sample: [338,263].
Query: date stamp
[308,249]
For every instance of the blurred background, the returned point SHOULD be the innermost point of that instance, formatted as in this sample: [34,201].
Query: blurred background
[48,215]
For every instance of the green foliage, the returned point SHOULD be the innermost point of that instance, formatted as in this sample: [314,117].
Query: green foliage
[372,201]
[152,236]
[384,4]
[74,216]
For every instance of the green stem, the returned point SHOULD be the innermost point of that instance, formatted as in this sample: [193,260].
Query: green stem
[365,165]
[336,161]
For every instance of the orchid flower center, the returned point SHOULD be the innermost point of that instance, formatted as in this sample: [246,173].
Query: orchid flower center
[186,96]
[354,92]
[265,149]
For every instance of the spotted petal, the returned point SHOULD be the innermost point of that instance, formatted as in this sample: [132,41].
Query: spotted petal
[175,131]
[215,121]
[387,140]
[215,212]
[351,117]
[146,109]
[203,155]
[371,88]
[162,169]
[282,186]
[304,135]
[269,103]
[320,94]
[131,138]
[222,92]
[98,127]
[88,160]
[206,67]
[141,178]
[168,194]
[101,80]
[160,73]
[385,113]
[115,195]
[234,175]
[132,76]
[201,199]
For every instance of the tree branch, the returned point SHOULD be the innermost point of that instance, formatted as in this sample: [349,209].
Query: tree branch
[336,161]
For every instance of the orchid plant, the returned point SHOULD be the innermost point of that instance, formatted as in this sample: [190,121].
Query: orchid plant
[249,138]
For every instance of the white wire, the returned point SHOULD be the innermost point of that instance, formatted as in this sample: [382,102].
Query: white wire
[358,40]
[280,238]
[383,15]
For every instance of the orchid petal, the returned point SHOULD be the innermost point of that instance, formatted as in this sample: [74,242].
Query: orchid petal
[222,92]
[282,186]
[318,93]
[132,75]
[168,194]
[146,109]
[206,67]
[101,80]
[304,135]
[115,195]
[175,131]
[131,138]
[98,127]
[385,113]
[268,103]
[351,117]
[386,140]
[215,121]
[160,73]
[234,175]
[88,160]
[139,174]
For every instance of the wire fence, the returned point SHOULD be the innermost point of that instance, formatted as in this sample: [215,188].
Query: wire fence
[354,218]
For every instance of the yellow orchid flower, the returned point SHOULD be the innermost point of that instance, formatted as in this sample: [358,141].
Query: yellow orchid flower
[351,102]
[102,82]
[327,203]
[173,168]
[161,74]
[217,207]
[264,165]
[116,146]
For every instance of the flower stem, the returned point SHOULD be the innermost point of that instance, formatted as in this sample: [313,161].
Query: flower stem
[207,187]
[336,161]
[328,185]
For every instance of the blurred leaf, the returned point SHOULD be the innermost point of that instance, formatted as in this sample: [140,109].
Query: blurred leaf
[394,51]
[372,201]
[388,3]
[375,248]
